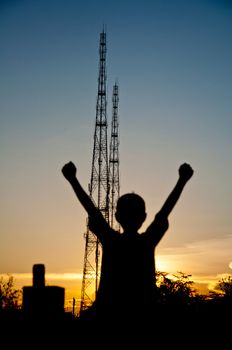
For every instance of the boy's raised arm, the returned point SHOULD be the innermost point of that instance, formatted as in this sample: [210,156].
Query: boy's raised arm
[69,172]
[185,173]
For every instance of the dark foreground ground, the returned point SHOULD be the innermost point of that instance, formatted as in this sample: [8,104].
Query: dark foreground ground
[172,328]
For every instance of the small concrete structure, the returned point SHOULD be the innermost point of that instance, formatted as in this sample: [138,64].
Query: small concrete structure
[40,300]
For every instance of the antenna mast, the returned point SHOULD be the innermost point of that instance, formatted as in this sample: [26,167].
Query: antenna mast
[99,184]
[114,158]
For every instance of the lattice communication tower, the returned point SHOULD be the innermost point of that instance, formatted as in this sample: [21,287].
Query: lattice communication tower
[114,159]
[104,184]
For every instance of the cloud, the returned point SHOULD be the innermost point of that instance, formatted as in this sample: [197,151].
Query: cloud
[203,258]
[27,277]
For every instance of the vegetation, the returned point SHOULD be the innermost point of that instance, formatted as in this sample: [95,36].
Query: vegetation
[173,291]
[9,296]
[225,287]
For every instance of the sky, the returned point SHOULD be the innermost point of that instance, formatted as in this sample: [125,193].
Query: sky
[172,61]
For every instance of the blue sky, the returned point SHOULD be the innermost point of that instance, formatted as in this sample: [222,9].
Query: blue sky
[172,60]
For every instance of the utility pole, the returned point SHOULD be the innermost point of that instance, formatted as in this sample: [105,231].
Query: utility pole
[99,184]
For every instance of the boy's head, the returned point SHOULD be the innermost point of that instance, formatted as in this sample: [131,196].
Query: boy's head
[130,211]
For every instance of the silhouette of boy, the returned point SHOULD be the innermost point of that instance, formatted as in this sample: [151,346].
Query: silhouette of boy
[127,287]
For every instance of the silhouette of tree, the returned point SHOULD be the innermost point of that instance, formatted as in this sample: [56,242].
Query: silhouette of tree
[225,285]
[174,289]
[221,297]
[9,296]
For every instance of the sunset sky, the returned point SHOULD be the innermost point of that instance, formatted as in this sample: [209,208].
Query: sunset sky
[172,60]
